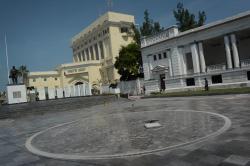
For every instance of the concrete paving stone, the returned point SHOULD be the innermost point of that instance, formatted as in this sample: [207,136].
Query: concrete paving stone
[236,147]
[196,155]
[6,149]
[178,163]
[210,160]
[235,141]
[237,160]
[150,160]
[2,142]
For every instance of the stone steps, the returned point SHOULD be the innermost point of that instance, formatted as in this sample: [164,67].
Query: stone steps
[40,107]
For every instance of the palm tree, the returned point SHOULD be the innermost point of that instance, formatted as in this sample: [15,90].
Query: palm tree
[23,73]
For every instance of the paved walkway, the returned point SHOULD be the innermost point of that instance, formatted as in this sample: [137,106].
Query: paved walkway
[231,148]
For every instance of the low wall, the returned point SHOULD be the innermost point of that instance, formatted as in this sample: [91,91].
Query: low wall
[134,87]
[70,91]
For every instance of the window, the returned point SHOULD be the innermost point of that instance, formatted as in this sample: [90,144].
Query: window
[34,80]
[17,94]
[124,29]
[190,82]
[216,79]
[248,75]
[164,55]
[159,56]
[45,79]
[55,79]
[155,58]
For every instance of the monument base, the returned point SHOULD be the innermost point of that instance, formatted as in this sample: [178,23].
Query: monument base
[16,94]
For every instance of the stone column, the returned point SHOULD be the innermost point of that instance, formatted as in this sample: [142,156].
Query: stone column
[170,64]
[99,48]
[104,49]
[202,58]
[228,53]
[182,59]
[179,60]
[150,66]
[76,58]
[83,55]
[94,53]
[235,51]
[195,58]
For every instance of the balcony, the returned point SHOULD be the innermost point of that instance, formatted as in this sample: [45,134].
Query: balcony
[215,68]
[245,63]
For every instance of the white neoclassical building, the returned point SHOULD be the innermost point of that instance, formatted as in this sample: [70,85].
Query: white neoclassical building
[219,51]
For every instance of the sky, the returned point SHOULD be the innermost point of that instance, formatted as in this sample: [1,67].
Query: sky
[39,31]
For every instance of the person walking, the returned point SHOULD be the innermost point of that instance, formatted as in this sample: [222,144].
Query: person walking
[206,84]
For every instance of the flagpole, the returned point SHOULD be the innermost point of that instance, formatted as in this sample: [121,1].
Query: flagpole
[7,58]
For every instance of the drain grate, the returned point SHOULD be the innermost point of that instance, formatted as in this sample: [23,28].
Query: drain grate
[152,124]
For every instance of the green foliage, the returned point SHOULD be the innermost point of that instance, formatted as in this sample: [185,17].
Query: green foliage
[137,35]
[149,27]
[186,20]
[128,62]
[23,73]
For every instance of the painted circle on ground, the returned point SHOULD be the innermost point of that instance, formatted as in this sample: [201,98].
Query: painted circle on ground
[124,134]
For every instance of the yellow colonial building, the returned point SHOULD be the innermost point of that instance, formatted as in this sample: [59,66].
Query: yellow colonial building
[94,51]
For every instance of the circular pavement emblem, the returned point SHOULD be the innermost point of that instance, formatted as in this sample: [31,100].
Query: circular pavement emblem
[124,134]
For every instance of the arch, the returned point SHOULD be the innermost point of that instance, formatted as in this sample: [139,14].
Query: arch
[79,83]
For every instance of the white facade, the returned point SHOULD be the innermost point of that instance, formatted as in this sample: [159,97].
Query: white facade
[218,51]
[16,94]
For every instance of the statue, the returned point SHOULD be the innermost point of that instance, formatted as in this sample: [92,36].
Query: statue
[13,75]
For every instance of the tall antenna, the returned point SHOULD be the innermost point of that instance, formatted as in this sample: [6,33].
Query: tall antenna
[7,58]
[110,5]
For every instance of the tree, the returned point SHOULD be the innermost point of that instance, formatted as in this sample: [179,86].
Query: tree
[186,20]
[128,62]
[23,73]
[149,27]
[136,35]
[157,28]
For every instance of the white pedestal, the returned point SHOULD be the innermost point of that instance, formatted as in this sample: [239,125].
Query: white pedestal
[16,94]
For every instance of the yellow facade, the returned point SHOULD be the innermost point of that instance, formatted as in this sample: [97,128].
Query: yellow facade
[94,52]
[107,34]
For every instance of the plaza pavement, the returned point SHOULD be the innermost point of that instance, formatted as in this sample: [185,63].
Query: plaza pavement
[231,148]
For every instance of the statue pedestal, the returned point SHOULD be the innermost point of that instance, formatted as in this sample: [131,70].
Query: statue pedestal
[16,94]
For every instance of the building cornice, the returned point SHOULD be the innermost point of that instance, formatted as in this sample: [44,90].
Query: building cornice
[198,29]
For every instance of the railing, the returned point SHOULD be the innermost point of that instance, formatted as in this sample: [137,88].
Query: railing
[218,67]
[168,33]
[245,63]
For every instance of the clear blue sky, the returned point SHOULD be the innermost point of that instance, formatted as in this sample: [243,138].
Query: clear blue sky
[39,31]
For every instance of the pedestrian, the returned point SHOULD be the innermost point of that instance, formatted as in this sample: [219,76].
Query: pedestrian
[206,84]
